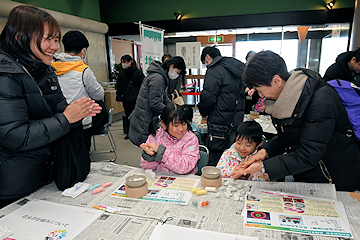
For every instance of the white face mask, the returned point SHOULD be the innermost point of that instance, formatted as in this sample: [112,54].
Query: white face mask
[83,58]
[124,66]
[173,75]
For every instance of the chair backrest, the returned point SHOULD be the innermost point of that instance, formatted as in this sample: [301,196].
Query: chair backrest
[204,158]
[111,114]
[198,135]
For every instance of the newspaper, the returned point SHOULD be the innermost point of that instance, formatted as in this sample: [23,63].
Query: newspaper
[138,219]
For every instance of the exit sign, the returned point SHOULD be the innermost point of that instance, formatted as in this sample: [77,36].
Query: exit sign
[218,39]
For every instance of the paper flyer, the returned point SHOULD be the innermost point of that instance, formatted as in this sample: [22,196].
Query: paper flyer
[164,189]
[173,183]
[40,219]
[300,214]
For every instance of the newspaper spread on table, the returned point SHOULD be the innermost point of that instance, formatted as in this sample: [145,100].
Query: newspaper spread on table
[139,218]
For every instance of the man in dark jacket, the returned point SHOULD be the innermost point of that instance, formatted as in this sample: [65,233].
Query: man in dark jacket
[313,128]
[127,88]
[346,67]
[223,96]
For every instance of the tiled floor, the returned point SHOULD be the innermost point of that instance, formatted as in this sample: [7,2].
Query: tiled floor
[127,153]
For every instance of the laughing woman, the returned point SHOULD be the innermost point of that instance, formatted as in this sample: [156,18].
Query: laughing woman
[34,112]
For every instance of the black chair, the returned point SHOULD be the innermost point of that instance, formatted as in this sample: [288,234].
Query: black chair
[106,133]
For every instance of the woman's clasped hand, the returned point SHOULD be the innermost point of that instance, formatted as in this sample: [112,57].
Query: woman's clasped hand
[81,108]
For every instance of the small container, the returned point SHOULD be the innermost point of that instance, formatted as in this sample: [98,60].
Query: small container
[254,115]
[135,181]
[210,172]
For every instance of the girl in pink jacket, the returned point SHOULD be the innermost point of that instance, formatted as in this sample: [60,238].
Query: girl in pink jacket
[172,147]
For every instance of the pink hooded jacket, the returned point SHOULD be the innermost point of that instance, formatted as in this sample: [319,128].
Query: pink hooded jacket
[180,156]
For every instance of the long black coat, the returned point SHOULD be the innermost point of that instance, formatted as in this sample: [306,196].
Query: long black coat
[150,102]
[128,84]
[318,129]
[31,118]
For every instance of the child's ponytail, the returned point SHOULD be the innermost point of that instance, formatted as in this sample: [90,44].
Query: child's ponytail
[154,125]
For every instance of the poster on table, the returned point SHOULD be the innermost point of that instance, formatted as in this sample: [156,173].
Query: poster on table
[165,189]
[190,52]
[152,45]
[296,213]
[40,219]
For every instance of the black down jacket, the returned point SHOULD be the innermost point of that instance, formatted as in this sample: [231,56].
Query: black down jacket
[31,118]
[340,69]
[317,138]
[150,102]
[222,86]
[128,84]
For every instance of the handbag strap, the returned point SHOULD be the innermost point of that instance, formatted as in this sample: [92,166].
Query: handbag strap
[236,105]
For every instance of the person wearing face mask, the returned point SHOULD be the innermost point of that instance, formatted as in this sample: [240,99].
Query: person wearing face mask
[153,96]
[223,88]
[127,88]
[76,79]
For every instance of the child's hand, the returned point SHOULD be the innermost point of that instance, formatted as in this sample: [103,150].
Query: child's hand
[243,177]
[238,172]
[241,171]
[154,147]
[146,147]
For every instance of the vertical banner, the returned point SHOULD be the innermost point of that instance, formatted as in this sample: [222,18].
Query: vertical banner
[190,51]
[152,45]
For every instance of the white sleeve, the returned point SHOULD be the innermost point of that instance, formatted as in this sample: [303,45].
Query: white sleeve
[92,86]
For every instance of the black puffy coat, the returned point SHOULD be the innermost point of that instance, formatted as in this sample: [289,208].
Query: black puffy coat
[31,118]
[222,86]
[128,84]
[340,69]
[150,102]
[318,129]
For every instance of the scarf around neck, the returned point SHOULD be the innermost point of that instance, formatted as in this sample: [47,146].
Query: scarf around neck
[284,106]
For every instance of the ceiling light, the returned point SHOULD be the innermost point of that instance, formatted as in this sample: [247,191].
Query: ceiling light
[177,16]
[331,4]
